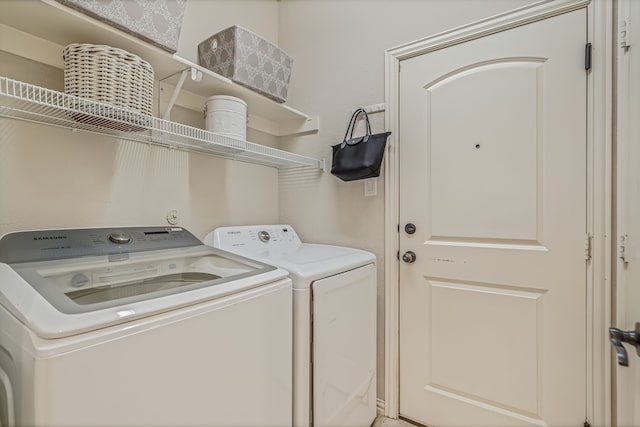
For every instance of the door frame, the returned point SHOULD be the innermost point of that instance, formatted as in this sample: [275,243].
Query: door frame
[599,190]
[621,144]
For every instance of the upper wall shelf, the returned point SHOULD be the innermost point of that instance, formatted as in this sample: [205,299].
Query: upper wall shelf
[23,101]
[39,29]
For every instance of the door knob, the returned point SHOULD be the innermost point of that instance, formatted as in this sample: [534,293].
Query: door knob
[409,257]
[618,337]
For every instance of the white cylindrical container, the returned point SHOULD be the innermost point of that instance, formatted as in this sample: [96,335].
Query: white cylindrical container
[226,115]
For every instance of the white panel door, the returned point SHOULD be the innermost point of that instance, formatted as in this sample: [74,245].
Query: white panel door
[493,176]
[627,298]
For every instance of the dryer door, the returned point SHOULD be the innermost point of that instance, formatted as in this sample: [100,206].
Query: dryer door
[344,348]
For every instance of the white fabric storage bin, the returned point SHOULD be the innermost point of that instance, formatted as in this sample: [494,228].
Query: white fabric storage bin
[226,115]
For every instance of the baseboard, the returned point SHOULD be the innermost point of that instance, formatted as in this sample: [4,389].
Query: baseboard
[380,406]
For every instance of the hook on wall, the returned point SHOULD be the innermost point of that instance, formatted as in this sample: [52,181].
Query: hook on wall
[372,109]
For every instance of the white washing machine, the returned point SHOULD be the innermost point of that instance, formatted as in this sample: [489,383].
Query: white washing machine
[334,326]
[140,327]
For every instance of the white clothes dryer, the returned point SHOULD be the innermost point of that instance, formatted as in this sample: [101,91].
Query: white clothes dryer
[334,305]
[139,327]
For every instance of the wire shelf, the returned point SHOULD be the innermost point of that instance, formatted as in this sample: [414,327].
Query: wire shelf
[24,101]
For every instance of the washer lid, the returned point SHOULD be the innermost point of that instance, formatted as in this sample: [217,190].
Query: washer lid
[57,294]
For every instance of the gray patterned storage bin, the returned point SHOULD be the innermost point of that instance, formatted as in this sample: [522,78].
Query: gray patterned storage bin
[249,60]
[156,21]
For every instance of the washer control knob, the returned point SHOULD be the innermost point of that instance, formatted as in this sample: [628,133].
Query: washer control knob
[119,237]
[79,280]
[264,236]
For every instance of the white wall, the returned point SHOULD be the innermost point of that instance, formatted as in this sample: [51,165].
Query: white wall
[338,50]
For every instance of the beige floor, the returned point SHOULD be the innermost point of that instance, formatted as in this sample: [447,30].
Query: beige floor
[388,422]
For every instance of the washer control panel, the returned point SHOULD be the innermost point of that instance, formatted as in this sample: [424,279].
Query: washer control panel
[254,239]
[43,245]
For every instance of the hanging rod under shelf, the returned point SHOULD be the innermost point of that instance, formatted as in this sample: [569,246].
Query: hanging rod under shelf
[24,101]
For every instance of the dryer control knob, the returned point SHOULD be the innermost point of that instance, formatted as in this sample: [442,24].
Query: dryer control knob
[264,236]
[119,237]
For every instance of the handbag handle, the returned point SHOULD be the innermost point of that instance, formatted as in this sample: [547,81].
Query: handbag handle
[352,125]
[367,127]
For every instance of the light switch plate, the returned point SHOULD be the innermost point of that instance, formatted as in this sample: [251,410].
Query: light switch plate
[370,187]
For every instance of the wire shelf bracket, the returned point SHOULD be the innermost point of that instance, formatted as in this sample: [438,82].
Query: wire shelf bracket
[196,76]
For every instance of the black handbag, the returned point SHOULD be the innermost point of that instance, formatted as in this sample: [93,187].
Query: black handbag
[360,157]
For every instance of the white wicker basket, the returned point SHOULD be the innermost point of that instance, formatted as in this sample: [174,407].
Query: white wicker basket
[108,75]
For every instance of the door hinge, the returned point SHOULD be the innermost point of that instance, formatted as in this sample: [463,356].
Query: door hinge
[625,33]
[587,56]
[622,248]
[587,246]
[398,255]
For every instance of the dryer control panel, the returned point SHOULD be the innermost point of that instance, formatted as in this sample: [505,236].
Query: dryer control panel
[254,239]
